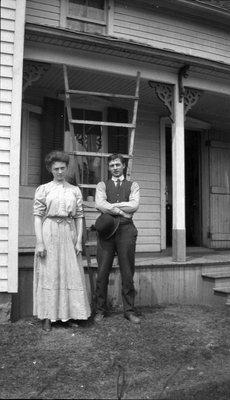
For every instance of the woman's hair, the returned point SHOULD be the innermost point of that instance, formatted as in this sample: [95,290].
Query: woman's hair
[55,156]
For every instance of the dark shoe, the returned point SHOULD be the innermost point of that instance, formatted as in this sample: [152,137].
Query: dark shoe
[99,317]
[46,325]
[133,318]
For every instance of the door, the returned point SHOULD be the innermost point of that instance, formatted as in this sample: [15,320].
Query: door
[219,153]
[192,188]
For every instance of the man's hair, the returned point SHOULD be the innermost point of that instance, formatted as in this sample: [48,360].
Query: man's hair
[114,156]
[56,156]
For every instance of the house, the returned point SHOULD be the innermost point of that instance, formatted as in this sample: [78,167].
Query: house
[181,48]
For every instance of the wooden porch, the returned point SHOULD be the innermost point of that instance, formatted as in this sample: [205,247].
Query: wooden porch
[159,280]
[204,278]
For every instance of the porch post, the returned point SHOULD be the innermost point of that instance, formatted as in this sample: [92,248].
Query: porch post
[178,180]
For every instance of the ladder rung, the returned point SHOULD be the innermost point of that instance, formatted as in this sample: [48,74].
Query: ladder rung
[121,96]
[94,154]
[101,123]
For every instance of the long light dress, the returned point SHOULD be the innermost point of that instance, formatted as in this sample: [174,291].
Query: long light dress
[59,281]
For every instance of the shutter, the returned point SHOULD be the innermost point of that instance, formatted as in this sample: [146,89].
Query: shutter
[52,131]
[219,194]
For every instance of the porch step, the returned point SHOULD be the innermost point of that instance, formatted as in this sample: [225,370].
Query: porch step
[222,278]
[223,291]
[221,283]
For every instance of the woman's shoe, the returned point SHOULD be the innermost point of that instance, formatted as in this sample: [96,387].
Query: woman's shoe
[72,324]
[46,325]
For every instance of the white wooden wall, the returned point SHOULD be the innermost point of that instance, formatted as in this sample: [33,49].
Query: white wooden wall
[134,21]
[45,12]
[148,26]
[146,171]
[12,42]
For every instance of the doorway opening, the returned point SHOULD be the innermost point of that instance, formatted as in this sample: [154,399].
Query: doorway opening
[192,188]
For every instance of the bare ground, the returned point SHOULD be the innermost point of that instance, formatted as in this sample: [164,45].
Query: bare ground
[177,352]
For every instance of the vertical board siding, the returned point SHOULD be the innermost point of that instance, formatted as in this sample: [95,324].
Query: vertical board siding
[146,171]
[149,27]
[45,12]
[154,285]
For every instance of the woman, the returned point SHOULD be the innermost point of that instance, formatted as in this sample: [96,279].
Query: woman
[59,282]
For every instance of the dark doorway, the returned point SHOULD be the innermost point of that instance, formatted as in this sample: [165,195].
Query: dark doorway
[192,188]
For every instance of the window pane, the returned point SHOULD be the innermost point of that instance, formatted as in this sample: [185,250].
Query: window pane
[94,13]
[83,8]
[77,8]
[85,27]
[97,4]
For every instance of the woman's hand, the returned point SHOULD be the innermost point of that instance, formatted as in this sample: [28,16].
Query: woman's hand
[41,250]
[78,248]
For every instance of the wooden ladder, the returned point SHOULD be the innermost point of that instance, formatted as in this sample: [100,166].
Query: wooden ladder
[87,243]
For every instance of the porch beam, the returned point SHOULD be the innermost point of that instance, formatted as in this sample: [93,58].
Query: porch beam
[178,179]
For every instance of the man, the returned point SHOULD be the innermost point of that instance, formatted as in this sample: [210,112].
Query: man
[117,199]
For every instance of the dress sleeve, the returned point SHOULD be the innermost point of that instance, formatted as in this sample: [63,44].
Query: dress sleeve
[79,204]
[39,205]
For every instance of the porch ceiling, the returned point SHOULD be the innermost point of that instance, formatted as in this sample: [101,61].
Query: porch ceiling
[213,109]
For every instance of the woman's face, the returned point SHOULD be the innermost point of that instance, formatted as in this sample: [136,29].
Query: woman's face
[59,170]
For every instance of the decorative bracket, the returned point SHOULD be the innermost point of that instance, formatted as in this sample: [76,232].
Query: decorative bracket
[32,72]
[191,97]
[183,73]
[164,93]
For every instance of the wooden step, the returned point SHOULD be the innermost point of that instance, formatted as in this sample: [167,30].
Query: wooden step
[221,278]
[221,282]
[216,274]
[223,291]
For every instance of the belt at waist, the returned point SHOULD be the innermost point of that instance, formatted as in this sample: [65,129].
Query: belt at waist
[125,221]
[59,219]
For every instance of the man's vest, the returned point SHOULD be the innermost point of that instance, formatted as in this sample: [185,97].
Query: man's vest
[117,196]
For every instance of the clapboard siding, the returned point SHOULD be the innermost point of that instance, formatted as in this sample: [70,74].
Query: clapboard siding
[4,194]
[150,27]
[12,31]
[6,96]
[7,25]
[4,144]
[7,43]
[6,83]
[146,171]
[45,12]
[3,260]
[146,25]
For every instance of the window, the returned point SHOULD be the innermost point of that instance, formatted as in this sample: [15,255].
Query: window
[87,16]
[86,170]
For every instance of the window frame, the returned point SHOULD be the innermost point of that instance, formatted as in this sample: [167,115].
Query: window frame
[103,24]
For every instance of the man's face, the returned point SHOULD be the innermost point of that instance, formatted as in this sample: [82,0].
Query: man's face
[116,167]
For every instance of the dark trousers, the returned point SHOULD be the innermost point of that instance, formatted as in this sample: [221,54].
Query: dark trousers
[122,243]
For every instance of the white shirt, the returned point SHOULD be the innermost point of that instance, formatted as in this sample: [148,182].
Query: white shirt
[128,207]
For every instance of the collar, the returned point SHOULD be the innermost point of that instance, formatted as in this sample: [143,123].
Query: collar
[120,177]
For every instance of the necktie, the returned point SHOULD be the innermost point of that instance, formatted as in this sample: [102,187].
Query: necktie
[118,185]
